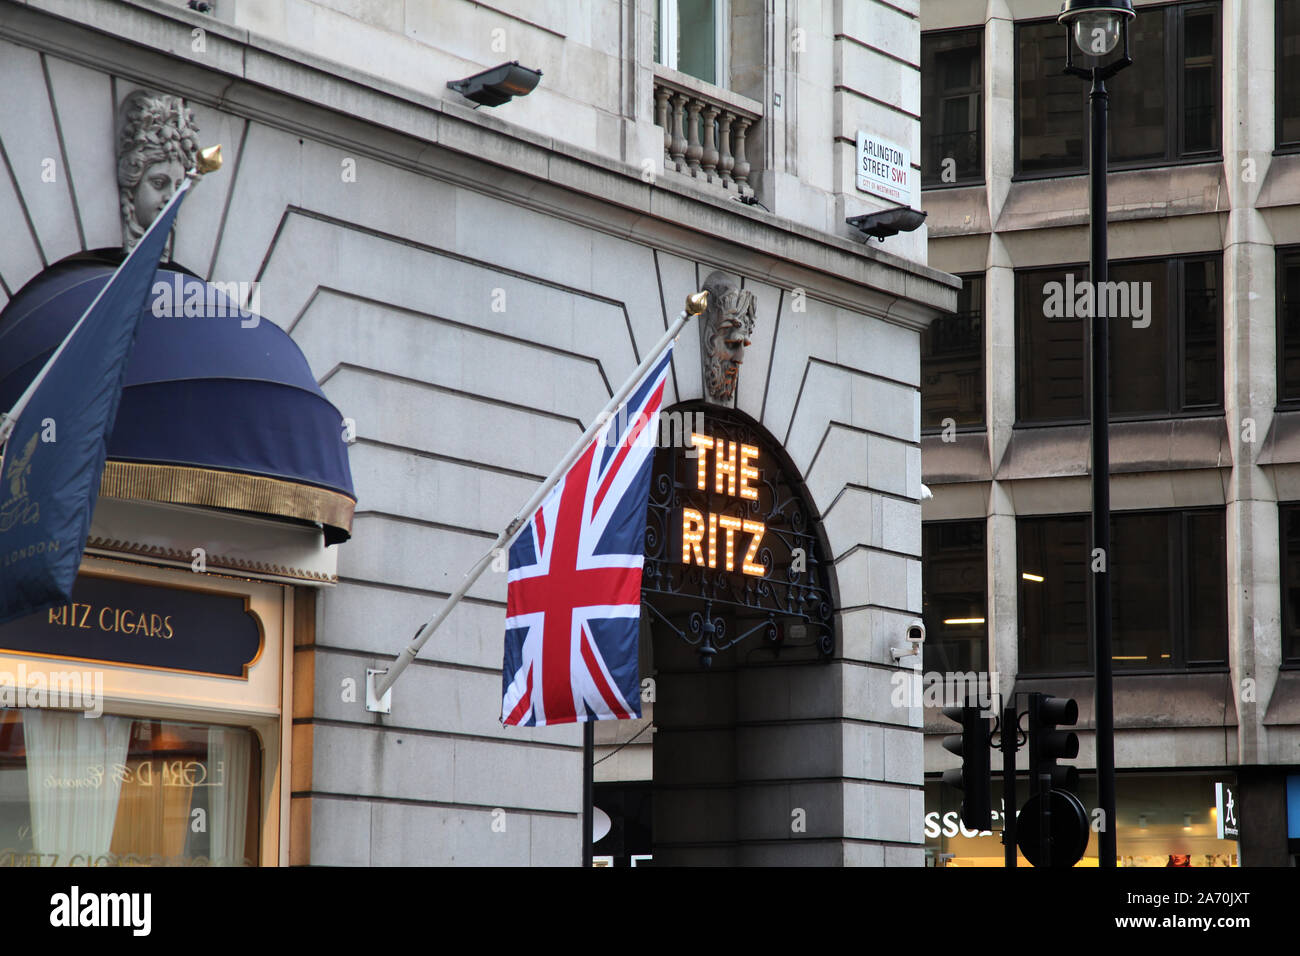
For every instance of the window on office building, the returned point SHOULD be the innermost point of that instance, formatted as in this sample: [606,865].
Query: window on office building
[954,578]
[1169,592]
[1288,326]
[1164,108]
[1288,73]
[1290,529]
[952,362]
[1165,339]
[952,82]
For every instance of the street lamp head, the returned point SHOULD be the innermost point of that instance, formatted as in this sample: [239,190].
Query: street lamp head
[1096,24]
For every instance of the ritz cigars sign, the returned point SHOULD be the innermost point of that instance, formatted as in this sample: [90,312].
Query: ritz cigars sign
[136,623]
[725,541]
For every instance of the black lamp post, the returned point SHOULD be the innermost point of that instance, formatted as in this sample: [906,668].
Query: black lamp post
[1095,27]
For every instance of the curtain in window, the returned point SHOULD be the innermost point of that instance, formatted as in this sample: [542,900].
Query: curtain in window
[154,812]
[73,782]
[230,759]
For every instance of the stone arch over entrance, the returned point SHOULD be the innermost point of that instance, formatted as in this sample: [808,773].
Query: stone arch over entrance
[746,707]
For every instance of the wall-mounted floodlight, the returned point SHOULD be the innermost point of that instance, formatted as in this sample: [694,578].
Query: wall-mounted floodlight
[891,222]
[498,85]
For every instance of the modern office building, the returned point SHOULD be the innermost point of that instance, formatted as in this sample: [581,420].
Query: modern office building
[1204,195]
[451,281]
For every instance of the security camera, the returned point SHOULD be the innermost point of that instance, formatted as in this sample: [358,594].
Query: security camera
[916,632]
[915,638]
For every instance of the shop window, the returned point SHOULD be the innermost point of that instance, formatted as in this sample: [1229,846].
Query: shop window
[691,37]
[117,791]
[1166,340]
[1163,819]
[954,579]
[1164,108]
[952,362]
[1168,592]
[952,83]
[1289,515]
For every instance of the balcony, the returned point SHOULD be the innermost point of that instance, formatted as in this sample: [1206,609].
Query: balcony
[706,129]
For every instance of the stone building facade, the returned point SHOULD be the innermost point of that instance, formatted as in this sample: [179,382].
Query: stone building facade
[1202,194]
[468,286]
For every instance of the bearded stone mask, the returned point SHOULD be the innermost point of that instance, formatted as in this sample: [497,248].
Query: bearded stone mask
[157,142]
[727,325]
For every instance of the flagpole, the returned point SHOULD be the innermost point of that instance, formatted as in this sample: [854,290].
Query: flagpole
[588,791]
[208,160]
[379,682]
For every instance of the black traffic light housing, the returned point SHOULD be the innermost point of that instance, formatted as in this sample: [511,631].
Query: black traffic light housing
[1047,744]
[973,779]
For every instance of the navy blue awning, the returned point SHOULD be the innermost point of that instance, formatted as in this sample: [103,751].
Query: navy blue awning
[217,409]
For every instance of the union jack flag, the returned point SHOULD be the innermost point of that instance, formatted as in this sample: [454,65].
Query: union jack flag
[573,602]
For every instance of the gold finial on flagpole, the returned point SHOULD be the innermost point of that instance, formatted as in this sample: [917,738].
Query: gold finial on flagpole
[209,160]
[697,302]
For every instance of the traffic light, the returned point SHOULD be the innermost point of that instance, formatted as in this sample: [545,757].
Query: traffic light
[973,779]
[1047,744]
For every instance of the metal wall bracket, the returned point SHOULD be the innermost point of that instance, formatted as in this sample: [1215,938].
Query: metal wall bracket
[901,654]
[377,705]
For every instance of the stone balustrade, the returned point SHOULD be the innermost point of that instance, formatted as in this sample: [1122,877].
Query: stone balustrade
[706,130]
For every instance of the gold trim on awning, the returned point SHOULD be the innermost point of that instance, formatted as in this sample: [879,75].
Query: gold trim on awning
[181,485]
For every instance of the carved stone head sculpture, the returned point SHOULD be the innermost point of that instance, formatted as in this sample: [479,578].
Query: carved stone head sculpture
[727,324]
[157,141]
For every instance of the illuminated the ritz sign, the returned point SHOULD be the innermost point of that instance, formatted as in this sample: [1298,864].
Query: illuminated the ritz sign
[732,474]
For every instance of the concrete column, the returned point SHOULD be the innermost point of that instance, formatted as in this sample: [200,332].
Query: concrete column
[1004,588]
[1250,371]
[999,350]
[776,183]
[641,138]
[1000,418]
[999,105]
[1000,341]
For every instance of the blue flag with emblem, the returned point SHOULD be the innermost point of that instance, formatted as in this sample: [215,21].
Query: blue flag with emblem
[52,462]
